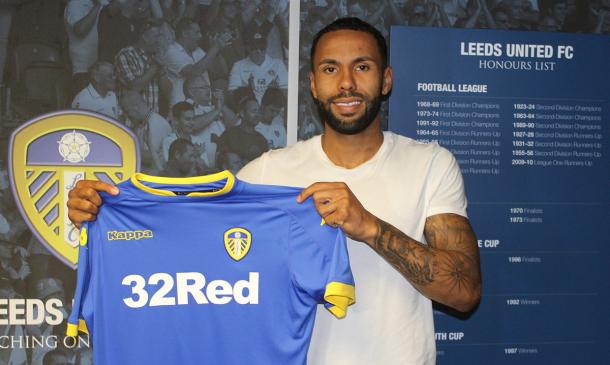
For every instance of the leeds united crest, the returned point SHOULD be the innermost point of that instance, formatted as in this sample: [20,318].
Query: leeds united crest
[237,242]
[49,154]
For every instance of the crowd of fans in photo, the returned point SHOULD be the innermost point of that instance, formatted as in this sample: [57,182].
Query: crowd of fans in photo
[138,61]
[201,83]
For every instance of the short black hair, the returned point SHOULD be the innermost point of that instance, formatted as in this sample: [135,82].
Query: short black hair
[178,147]
[180,108]
[273,96]
[352,24]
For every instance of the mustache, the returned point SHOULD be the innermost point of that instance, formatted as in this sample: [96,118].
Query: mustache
[346,94]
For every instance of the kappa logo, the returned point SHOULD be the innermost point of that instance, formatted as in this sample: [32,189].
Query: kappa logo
[129,235]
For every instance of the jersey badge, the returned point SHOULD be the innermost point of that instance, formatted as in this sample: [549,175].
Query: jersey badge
[237,242]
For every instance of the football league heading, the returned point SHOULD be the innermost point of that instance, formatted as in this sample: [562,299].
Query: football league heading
[516,50]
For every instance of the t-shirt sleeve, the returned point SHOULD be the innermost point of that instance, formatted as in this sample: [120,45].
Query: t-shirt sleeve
[446,185]
[74,13]
[235,77]
[175,61]
[282,73]
[80,305]
[320,263]
[253,171]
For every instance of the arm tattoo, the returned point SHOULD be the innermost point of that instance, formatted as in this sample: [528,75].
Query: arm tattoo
[445,269]
[408,256]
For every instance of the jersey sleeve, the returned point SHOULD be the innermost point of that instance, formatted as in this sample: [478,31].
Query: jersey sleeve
[446,185]
[320,263]
[76,322]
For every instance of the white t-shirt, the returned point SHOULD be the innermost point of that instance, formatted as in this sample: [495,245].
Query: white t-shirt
[83,50]
[89,99]
[274,133]
[175,59]
[271,69]
[403,184]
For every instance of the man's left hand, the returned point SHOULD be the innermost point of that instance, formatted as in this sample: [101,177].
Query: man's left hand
[340,208]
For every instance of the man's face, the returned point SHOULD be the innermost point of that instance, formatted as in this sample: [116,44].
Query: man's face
[201,91]
[269,112]
[187,160]
[232,162]
[560,11]
[135,107]
[256,53]
[251,113]
[347,81]
[186,121]
[151,38]
[105,77]
[193,35]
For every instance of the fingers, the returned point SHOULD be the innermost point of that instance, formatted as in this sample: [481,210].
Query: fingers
[322,190]
[95,185]
[78,217]
[332,201]
[84,200]
[82,205]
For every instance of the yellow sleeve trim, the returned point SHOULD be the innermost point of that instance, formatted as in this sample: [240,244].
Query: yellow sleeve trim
[83,236]
[340,295]
[73,329]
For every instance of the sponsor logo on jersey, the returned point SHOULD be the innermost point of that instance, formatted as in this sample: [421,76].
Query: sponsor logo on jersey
[165,289]
[237,242]
[129,235]
[48,155]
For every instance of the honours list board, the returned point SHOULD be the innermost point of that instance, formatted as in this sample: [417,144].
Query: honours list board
[526,116]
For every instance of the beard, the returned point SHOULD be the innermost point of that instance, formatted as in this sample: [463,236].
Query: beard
[371,109]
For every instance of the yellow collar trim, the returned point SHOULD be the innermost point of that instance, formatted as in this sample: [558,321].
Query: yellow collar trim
[138,177]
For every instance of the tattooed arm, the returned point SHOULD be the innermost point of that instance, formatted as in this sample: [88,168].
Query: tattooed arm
[446,270]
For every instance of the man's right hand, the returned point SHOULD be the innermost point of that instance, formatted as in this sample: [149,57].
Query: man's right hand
[84,200]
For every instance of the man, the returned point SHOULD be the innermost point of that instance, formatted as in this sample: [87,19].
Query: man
[272,125]
[401,202]
[184,127]
[182,161]
[211,116]
[243,139]
[99,95]
[258,71]
[119,26]
[185,59]
[137,69]
[81,23]
[151,129]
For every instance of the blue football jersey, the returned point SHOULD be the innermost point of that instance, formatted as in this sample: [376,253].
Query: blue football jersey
[207,270]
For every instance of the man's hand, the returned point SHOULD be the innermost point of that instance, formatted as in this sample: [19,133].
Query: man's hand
[84,200]
[340,208]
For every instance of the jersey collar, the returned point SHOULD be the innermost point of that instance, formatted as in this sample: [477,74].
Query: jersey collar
[138,178]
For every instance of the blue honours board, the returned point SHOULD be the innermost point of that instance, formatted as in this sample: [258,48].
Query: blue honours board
[525,114]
